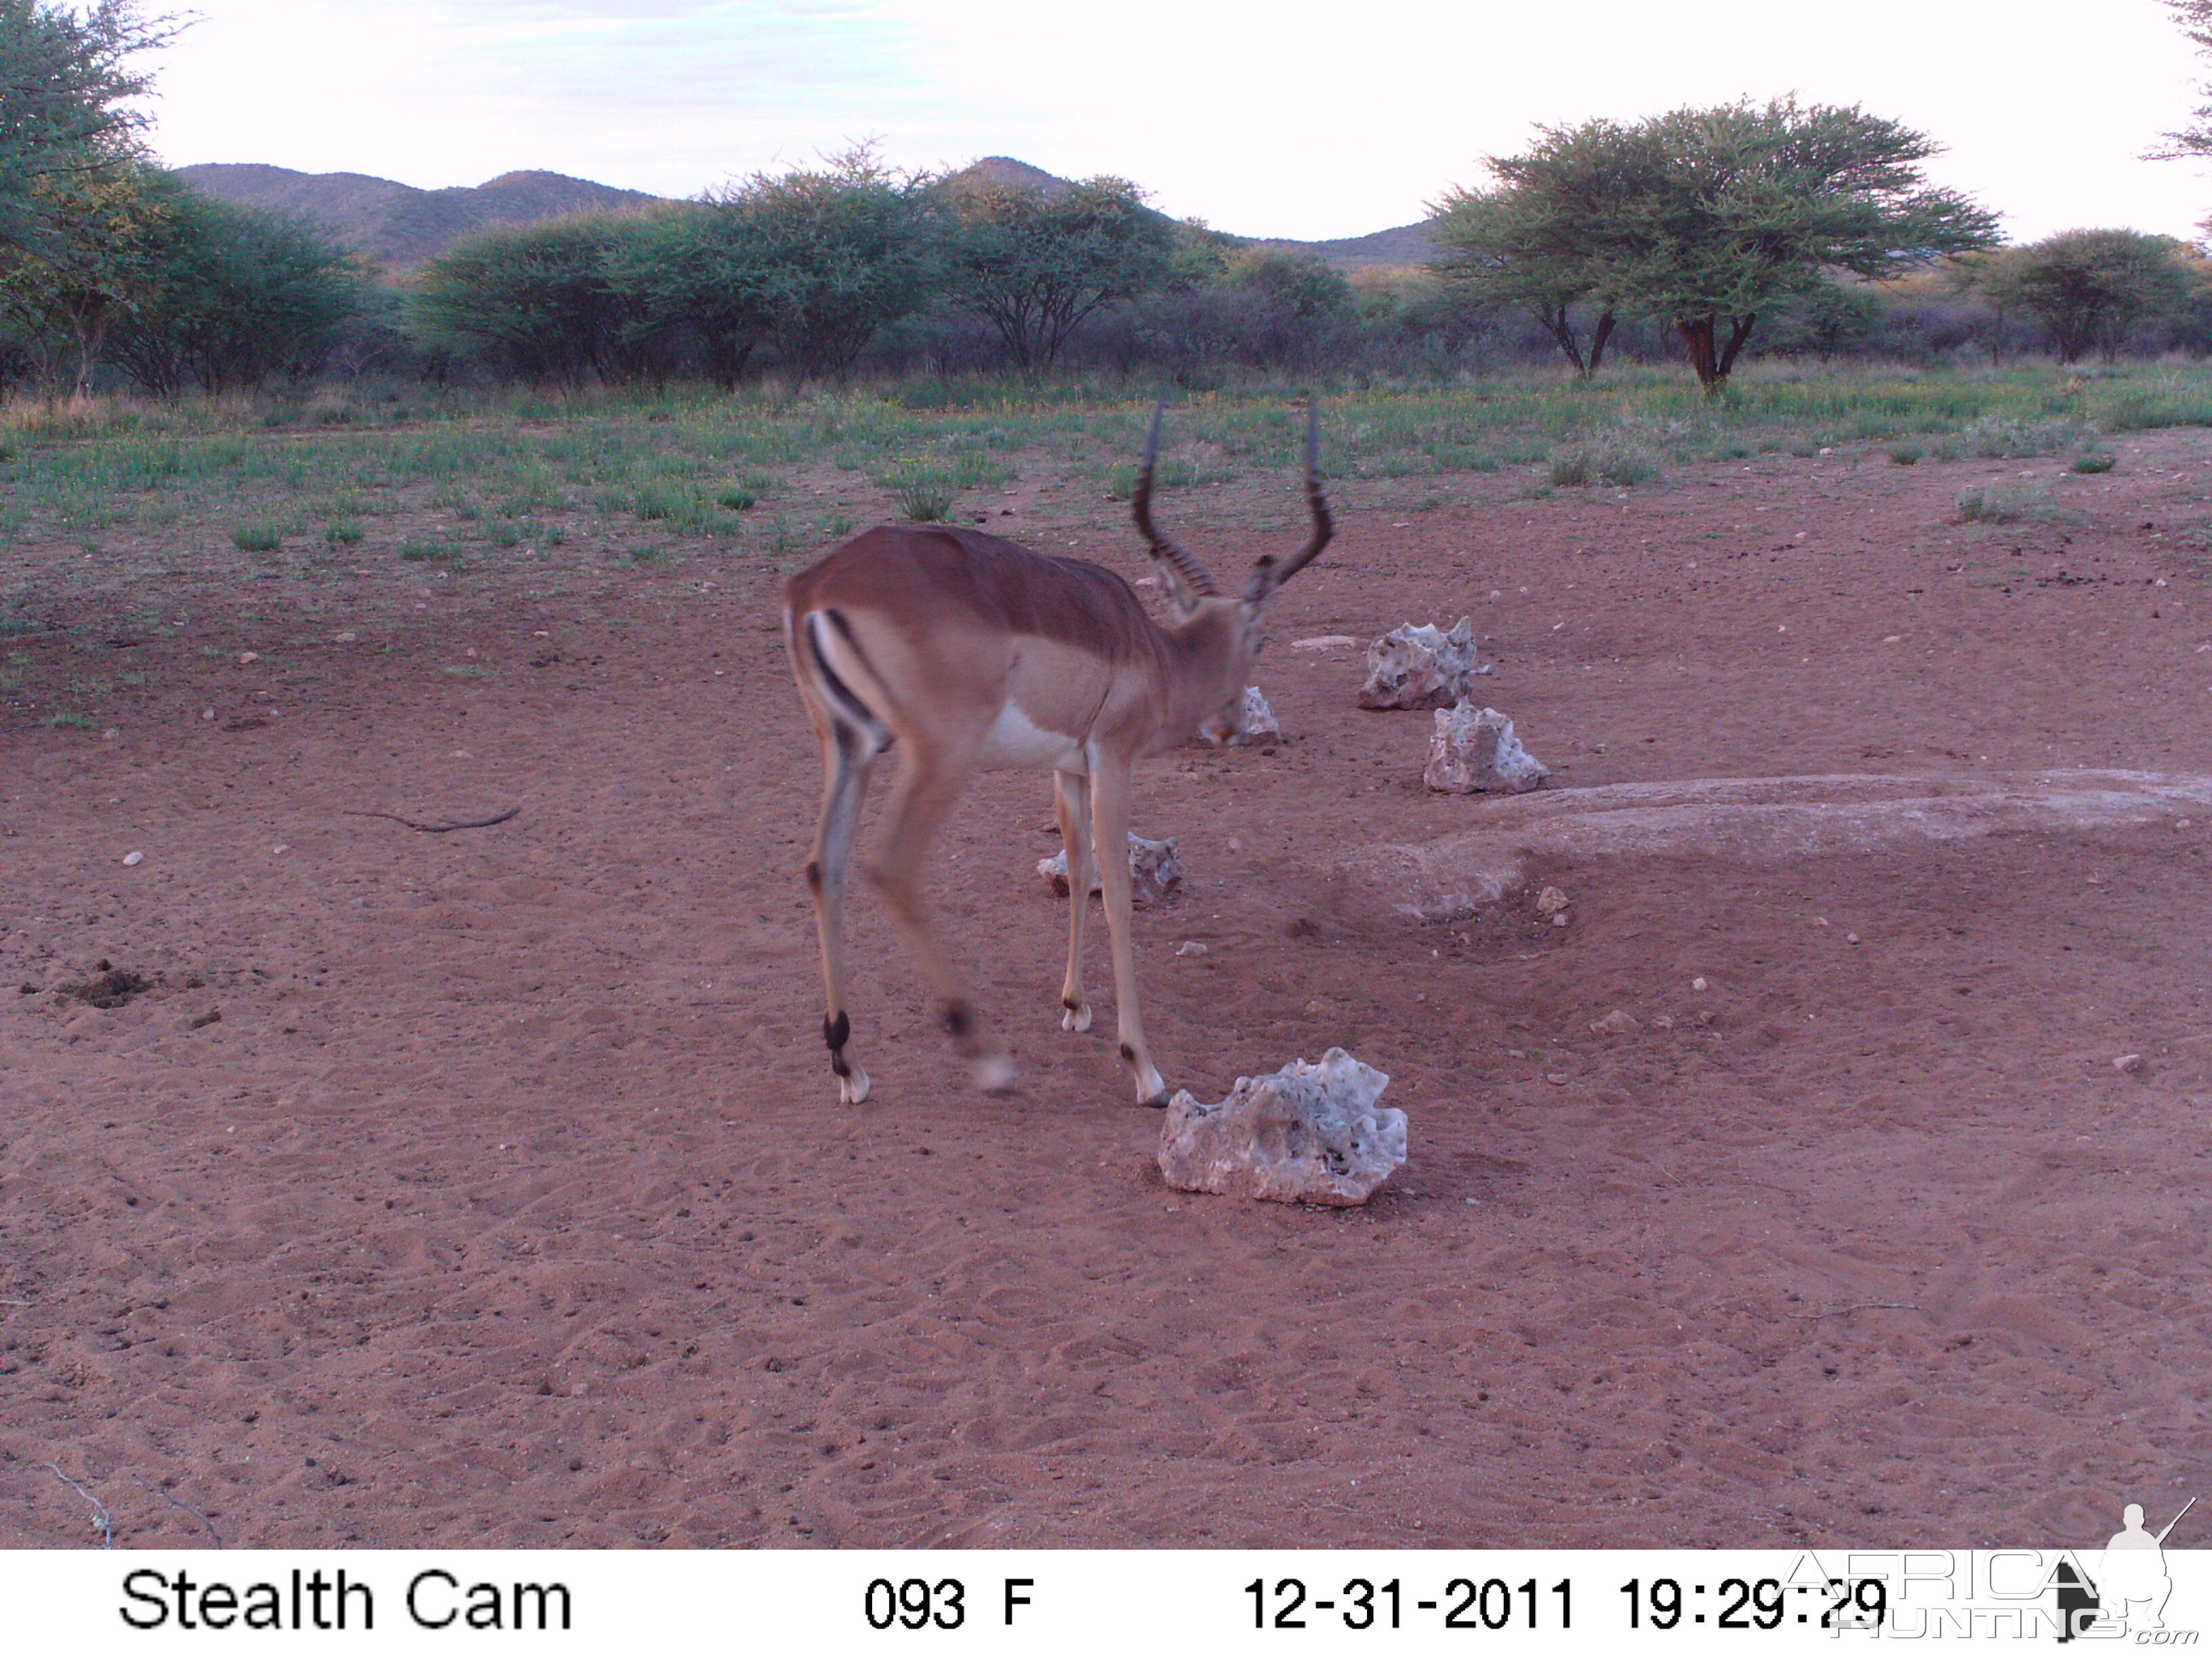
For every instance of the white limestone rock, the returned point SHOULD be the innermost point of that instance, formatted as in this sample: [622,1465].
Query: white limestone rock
[1155,872]
[1421,668]
[1260,724]
[1473,750]
[1306,1135]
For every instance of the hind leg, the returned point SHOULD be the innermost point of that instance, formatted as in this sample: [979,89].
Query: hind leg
[928,788]
[847,758]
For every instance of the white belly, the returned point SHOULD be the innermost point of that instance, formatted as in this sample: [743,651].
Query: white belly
[1016,740]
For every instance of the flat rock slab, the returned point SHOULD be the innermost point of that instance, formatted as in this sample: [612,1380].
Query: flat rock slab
[1755,820]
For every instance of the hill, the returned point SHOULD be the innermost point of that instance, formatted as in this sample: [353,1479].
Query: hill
[397,224]
[1402,244]
[400,226]
[1004,173]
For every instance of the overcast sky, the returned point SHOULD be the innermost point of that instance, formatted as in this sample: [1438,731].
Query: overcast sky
[1288,120]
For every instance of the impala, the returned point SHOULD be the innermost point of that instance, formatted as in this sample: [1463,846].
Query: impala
[970,650]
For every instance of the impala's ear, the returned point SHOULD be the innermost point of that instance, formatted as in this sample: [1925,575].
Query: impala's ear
[1181,597]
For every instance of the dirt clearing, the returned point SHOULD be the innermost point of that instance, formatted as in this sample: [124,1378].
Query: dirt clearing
[366,1186]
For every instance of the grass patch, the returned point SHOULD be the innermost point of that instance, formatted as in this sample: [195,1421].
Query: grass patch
[924,493]
[2005,503]
[697,465]
[2001,437]
[1616,458]
[683,507]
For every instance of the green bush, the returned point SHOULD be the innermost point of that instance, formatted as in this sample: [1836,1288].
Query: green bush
[679,506]
[544,302]
[1614,459]
[1904,454]
[1998,438]
[924,493]
[257,538]
[235,297]
[2089,288]
[2096,463]
[2004,503]
[2140,408]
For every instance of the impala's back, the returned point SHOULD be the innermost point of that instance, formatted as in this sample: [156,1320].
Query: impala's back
[1027,655]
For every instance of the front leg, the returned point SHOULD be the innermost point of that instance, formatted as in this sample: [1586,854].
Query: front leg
[1109,830]
[1072,795]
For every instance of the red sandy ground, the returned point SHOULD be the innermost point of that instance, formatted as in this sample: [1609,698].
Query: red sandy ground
[508,1201]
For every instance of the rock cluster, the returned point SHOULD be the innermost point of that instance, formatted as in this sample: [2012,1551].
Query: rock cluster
[1421,668]
[1155,872]
[1306,1135]
[1473,750]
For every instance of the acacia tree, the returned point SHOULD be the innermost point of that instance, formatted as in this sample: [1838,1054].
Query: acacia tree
[2089,288]
[64,76]
[75,211]
[1282,306]
[703,265]
[93,257]
[540,301]
[1531,242]
[2195,17]
[1705,219]
[847,248]
[1035,264]
[814,261]
[232,296]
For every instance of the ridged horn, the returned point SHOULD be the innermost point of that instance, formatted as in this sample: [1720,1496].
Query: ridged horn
[1267,575]
[1193,573]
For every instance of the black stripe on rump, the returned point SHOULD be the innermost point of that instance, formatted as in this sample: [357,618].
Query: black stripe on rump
[850,704]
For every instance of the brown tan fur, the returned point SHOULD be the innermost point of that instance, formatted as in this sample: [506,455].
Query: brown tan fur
[965,650]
